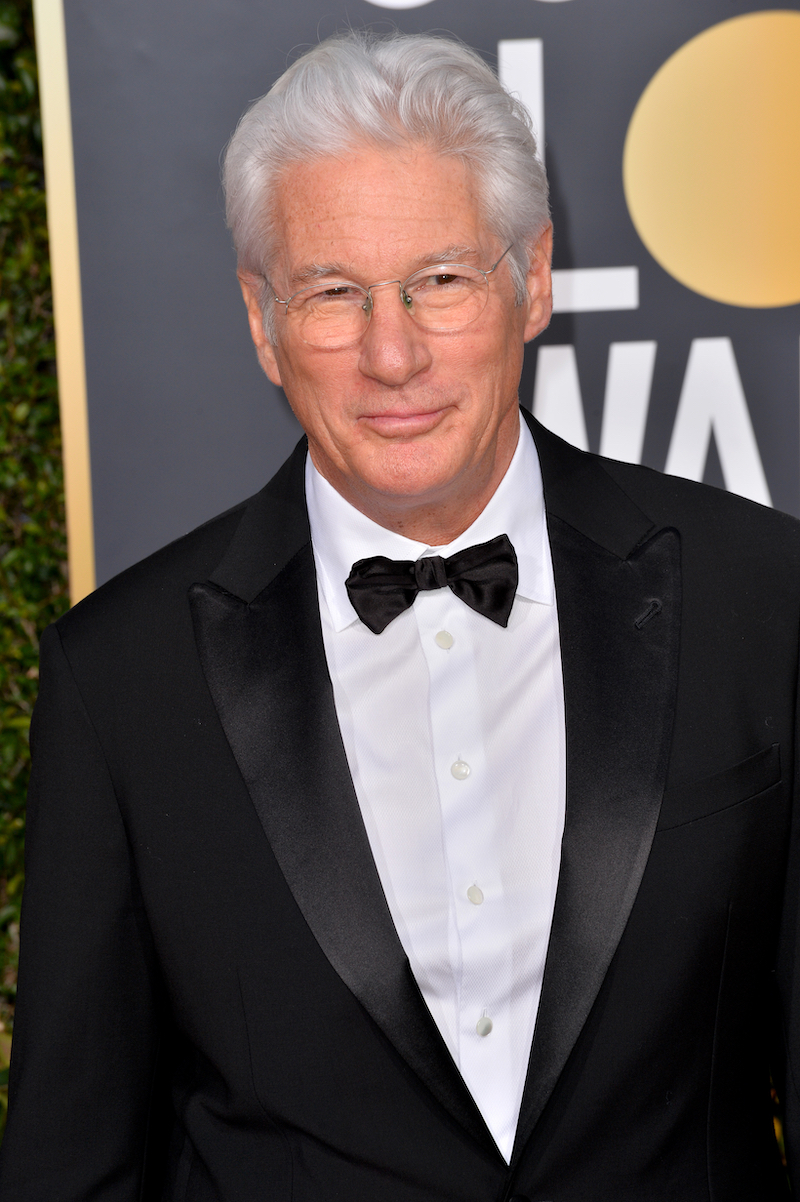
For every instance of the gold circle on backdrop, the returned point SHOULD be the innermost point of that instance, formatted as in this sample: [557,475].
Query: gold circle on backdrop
[711,167]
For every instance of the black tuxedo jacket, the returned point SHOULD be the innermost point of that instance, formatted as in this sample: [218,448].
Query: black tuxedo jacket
[214,1005]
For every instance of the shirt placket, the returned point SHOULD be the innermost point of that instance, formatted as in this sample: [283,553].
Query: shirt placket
[479,923]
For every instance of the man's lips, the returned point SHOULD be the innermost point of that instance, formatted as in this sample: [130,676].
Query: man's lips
[399,423]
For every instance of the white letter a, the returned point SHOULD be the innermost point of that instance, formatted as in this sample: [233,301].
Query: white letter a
[712,399]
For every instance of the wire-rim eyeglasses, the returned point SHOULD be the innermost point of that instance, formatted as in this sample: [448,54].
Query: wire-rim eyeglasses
[443,298]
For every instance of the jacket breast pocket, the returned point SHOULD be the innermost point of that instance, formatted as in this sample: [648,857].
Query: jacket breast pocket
[742,782]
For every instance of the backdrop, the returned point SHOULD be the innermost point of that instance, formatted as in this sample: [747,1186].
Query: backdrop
[671,135]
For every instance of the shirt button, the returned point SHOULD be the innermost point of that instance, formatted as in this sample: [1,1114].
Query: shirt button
[484,1025]
[475,895]
[460,770]
[444,639]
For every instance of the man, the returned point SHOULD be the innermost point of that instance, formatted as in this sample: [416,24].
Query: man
[422,828]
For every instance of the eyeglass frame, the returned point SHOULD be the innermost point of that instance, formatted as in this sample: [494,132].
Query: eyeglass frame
[403,295]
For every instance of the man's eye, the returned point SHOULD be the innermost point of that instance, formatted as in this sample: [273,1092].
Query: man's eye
[439,279]
[337,292]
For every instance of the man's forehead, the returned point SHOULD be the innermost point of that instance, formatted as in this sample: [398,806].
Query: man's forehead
[372,178]
[381,213]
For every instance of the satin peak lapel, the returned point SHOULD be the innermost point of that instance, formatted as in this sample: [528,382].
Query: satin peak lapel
[260,642]
[618,593]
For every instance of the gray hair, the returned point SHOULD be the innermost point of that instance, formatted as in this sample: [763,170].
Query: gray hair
[359,89]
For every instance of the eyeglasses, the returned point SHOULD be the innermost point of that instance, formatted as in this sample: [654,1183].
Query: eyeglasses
[443,297]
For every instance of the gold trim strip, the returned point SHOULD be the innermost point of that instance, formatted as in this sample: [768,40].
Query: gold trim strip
[62,221]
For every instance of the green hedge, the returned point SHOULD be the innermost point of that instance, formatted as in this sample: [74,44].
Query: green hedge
[33,582]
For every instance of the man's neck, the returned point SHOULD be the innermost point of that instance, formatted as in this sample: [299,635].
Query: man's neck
[435,521]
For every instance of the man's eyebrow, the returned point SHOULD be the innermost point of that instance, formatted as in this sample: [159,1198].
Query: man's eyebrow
[320,271]
[451,254]
[339,271]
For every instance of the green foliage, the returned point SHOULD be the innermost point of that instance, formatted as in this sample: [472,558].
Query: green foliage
[33,586]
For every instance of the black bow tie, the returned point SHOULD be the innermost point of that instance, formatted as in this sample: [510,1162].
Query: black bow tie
[484,577]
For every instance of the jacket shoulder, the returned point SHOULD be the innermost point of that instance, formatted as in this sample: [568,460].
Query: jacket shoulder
[714,514]
[154,584]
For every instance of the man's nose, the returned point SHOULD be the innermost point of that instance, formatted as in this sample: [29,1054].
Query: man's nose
[393,348]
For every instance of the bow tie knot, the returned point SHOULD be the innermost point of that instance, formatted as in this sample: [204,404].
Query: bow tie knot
[484,577]
[430,572]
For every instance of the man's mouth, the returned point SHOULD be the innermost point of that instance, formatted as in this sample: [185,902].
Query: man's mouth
[399,423]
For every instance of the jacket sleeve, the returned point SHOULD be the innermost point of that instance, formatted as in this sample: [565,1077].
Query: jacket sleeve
[86,1027]
[786,1071]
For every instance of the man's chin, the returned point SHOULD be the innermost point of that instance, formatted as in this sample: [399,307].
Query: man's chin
[408,482]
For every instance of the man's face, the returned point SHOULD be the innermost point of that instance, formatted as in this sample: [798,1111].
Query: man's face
[406,421]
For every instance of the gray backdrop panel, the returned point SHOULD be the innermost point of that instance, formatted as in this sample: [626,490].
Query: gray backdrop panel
[182,422]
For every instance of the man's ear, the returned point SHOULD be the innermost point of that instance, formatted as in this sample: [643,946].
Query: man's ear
[251,286]
[540,285]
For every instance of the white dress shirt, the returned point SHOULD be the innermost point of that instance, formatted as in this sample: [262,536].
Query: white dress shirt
[454,734]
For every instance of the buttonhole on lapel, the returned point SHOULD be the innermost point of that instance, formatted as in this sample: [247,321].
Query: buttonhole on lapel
[653,608]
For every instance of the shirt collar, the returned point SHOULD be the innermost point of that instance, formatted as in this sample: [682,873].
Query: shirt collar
[341,534]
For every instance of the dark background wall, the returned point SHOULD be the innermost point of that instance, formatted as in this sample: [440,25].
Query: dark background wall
[182,422]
